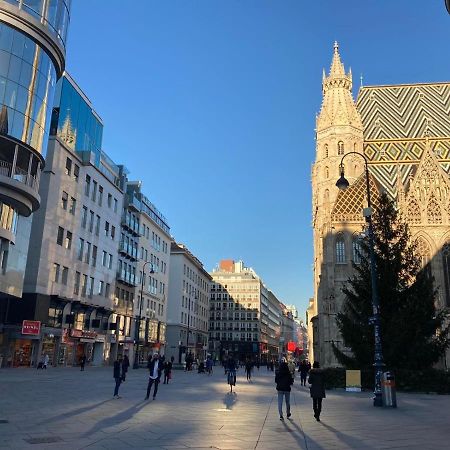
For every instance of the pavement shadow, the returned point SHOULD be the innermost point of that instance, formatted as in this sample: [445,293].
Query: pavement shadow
[117,419]
[230,400]
[345,438]
[296,431]
[74,412]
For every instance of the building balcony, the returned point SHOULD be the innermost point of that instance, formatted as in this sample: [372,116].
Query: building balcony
[128,251]
[126,278]
[132,227]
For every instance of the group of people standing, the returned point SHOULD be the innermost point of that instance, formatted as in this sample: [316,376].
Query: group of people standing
[284,379]
[155,365]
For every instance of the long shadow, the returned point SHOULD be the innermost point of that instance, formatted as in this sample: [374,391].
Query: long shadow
[345,438]
[119,418]
[230,400]
[72,413]
[298,433]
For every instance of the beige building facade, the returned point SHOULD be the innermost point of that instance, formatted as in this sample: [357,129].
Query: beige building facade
[404,133]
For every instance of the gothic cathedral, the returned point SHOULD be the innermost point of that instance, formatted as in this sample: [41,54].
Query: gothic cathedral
[404,131]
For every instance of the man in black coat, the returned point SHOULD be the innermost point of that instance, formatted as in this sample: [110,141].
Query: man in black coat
[155,367]
[317,389]
[117,375]
[284,381]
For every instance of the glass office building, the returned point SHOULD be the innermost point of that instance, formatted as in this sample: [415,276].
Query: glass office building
[32,58]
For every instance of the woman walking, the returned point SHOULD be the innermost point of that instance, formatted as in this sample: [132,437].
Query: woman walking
[125,365]
[284,381]
[317,388]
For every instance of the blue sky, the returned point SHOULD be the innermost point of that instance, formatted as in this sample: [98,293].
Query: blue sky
[212,105]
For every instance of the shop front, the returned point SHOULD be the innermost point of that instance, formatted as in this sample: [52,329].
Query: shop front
[83,344]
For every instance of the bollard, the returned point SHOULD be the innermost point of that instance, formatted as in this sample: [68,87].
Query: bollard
[388,391]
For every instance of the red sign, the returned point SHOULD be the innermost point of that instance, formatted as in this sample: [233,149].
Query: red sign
[31,327]
[291,346]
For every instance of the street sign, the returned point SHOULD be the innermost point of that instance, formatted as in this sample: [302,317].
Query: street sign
[31,327]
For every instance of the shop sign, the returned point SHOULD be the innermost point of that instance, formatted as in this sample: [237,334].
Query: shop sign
[31,327]
[83,334]
[100,338]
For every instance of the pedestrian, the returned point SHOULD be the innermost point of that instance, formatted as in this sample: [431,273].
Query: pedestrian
[82,362]
[284,381]
[167,372]
[155,369]
[248,369]
[125,365]
[209,365]
[317,388]
[46,360]
[303,369]
[257,364]
[117,375]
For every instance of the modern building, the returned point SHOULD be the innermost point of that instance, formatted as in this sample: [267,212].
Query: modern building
[32,58]
[403,131]
[70,272]
[242,318]
[188,306]
[145,243]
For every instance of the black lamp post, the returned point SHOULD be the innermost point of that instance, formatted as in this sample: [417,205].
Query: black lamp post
[343,184]
[137,333]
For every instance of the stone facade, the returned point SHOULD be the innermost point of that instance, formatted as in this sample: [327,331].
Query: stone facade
[403,131]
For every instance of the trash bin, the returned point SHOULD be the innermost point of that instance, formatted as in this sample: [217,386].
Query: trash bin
[388,390]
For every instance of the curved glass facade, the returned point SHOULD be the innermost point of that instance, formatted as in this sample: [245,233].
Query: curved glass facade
[8,218]
[54,14]
[27,84]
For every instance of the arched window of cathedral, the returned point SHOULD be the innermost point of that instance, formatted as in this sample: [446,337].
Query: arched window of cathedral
[424,253]
[355,147]
[356,250]
[327,172]
[326,150]
[340,250]
[340,148]
[446,263]
[434,214]
[326,196]
[414,216]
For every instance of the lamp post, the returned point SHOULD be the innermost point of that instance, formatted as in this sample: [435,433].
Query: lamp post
[343,184]
[137,332]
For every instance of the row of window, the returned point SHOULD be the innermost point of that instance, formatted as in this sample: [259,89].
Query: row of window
[84,286]
[236,316]
[158,265]
[193,276]
[341,256]
[237,325]
[193,321]
[340,149]
[234,337]
[230,305]
[94,191]
[193,306]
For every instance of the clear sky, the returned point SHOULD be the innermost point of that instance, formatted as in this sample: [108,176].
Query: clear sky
[212,105]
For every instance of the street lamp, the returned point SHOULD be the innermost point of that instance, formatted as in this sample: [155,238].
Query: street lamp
[343,184]
[137,333]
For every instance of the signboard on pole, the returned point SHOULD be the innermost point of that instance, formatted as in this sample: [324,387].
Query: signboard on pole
[31,327]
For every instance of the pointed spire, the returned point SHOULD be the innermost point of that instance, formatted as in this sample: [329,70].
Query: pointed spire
[337,68]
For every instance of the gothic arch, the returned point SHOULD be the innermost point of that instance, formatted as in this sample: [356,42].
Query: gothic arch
[327,172]
[356,248]
[423,250]
[434,214]
[414,213]
[340,148]
[325,147]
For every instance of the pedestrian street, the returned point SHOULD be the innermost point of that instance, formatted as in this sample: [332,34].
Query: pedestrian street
[64,408]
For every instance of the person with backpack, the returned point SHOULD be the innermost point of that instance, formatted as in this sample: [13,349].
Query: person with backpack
[317,389]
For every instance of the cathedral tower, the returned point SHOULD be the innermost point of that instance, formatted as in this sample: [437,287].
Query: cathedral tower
[339,130]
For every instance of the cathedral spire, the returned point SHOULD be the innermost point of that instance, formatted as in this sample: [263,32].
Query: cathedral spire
[337,68]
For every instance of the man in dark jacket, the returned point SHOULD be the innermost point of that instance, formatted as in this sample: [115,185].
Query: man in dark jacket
[284,381]
[155,367]
[317,389]
[117,375]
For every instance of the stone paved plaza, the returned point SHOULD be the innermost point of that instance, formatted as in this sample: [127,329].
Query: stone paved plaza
[75,410]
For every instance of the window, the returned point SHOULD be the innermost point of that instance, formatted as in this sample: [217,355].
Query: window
[73,205]
[101,285]
[91,221]
[109,200]
[94,191]
[110,261]
[87,186]
[88,252]
[356,247]
[76,172]
[327,172]
[115,204]
[80,249]
[64,200]
[94,256]
[104,258]
[91,287]
[56,273]
[326,150]
[68,241]
[340,250]
[60,236]
[107,290]
[76,286]
[340,148]
[68,166]
[84,285]
[84,217]
[97,225]
[106,228]
[113,232]
[65,275]
[100,195]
